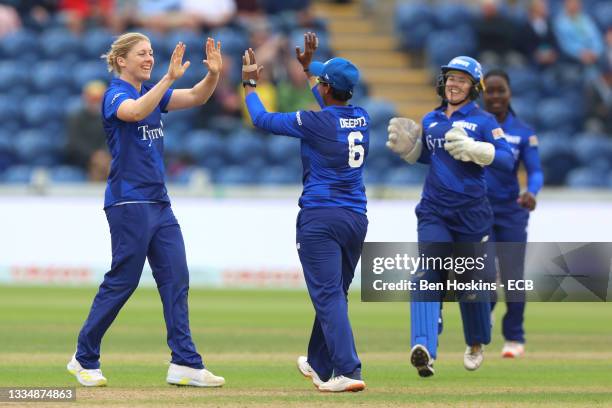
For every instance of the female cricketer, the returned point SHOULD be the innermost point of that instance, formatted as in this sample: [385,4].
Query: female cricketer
[332,222]
[457,140]
[137,206]
[511,207]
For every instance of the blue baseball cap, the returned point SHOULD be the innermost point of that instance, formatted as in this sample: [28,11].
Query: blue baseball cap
[340,73]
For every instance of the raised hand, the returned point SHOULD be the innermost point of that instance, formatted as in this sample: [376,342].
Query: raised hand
[311,43]
[213,60]
[250,70]
[404,138]
[176,69]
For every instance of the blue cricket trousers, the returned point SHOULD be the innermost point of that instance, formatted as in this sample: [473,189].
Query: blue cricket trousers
[138,232]
[510,225]
[329,242]
[437,224]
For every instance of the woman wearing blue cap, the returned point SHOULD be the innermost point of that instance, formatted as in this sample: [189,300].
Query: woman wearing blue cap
[332,222]
[457,140]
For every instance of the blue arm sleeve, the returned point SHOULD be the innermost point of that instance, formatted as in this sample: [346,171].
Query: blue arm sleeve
[277,123]
[504,160]
[531,159]
[317,95]
[112,100]
[425,157]
[492,133]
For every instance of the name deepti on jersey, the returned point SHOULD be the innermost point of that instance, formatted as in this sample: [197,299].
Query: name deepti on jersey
[353,122]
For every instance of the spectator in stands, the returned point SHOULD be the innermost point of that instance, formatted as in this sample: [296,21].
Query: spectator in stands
[36,14]
[275,6]
[86,146]
[225,102]
[495,34]
[208,13]
[539,43]
[156,15]
[169,15]
[81,14]
[267,45]
[248,9]
[599,93]
[578,36]
[291,92]
[9,20]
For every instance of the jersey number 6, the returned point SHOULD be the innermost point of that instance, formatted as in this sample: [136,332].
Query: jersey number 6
[356,152]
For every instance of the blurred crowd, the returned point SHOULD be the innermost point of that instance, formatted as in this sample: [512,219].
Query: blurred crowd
[559,57]
[48,34]
[558,54]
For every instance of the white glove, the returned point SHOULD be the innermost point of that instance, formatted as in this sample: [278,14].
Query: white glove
[405,139]
[462,147]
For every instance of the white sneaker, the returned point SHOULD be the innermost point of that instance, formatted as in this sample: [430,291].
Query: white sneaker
[342,384]
[513,349]
[308,371]
[422,361]
[473,357]
[183,375]
[86,377]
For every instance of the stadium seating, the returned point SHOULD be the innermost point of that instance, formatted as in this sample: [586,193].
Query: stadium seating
[42,75]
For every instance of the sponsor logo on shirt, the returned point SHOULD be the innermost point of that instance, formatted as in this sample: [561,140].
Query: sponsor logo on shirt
[465,125]
[116,96]
[432,124]
[497,133]
[433,143]
[512,139]
[353,123]
[298,116]
[150,134]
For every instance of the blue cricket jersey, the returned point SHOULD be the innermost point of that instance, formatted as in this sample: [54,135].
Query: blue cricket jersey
[451,182]
[503,184]
[334,145]
[137,166]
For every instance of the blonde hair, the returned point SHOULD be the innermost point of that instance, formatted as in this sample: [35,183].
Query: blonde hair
[120,48]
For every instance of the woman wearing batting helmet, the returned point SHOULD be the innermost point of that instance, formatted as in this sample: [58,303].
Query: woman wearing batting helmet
[457,140]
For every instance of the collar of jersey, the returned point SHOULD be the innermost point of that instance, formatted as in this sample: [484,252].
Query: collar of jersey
[338,107]
[127,85]
[509,119]
[464,110]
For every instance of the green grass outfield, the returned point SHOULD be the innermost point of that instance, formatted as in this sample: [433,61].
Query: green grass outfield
[253,337]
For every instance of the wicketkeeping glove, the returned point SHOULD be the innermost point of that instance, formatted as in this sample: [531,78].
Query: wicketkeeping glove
[405,139]
[462,147]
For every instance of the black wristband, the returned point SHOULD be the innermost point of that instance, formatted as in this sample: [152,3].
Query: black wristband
[250,82]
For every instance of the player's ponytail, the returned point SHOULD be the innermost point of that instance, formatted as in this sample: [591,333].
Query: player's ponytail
[120,47]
